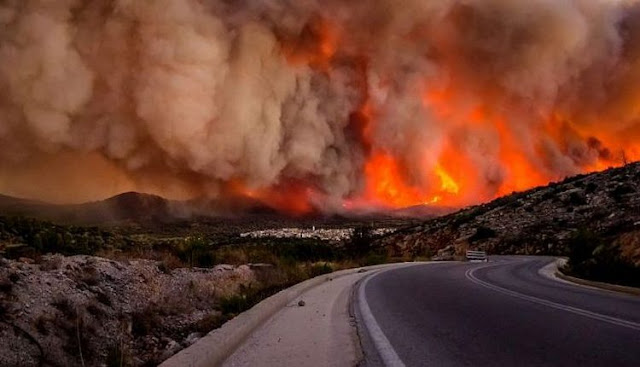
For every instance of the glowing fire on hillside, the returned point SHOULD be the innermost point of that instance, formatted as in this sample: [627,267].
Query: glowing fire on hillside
[321,105]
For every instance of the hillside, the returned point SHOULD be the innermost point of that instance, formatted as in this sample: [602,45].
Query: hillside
[130,206]
[544,220]
[154,212]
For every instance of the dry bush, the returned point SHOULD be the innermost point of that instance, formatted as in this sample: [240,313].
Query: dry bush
[41,324]
[210,322]
[51,263]
[78,338]
[104,299]
[144,322]
[629,244]
[232,255]
[6,286]
[90,275]
[94,309]
[5,309]
[66,307]
[168,262]
[119,354]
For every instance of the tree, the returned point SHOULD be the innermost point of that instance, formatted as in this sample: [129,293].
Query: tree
[361,242]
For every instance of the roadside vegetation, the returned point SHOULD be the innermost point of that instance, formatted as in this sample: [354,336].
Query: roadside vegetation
[601,258]
[193,281]
[30,239]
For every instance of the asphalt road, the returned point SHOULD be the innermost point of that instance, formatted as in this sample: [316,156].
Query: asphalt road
[501,313]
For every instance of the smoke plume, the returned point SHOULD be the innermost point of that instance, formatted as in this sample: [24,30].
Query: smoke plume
[314,103]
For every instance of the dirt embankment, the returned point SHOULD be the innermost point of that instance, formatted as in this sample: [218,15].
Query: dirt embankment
[70,311]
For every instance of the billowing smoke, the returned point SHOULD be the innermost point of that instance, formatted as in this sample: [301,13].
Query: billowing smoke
[320,103]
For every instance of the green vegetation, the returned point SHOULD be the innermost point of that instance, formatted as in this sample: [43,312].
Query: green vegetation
[576,199]
[620,191]
[482,233]
[277,263]
[593,256]
[118,355]
[31,238]
[320,269]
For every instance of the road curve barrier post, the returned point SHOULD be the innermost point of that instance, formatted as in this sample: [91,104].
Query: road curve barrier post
[477,256]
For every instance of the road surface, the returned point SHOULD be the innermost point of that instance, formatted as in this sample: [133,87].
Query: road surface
[501,313]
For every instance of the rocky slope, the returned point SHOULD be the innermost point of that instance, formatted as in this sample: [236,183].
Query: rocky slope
[83,310]
[538,221]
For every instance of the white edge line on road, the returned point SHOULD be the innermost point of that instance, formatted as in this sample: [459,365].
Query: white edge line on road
[578,311]
[383,346]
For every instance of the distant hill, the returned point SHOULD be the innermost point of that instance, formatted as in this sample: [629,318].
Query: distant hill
[123,207]
[544,220]
[130,206]
[140,208]
[12,204]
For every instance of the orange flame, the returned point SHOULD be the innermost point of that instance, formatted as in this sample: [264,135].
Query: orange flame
[293,198]
[387,184]
[507,156]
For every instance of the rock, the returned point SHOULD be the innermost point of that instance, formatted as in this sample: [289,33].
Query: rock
[260,266]
[192,338]
[172,348]
[224,267]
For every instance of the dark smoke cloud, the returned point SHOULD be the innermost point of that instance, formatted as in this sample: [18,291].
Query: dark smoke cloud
[182,97]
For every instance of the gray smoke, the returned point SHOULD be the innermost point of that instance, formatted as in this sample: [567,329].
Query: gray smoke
[182,98]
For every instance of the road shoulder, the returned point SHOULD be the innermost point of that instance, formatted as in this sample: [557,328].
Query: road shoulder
[320,333]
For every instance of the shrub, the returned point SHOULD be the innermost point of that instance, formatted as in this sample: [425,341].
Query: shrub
[320,269]
[620,191]
[94,309]
[591,188]
[65,306]
[247,297]
[118,355]
[374,259]
[143,323]
[6,286]
[581,246]
[4,309]
[234,304]
[163,267]
[77,343]
[41,325]
[361,242]
[463,218]
[232,255]
[196,251]
[482,233]
[168,261]
[53,263]
[577,199]
[90,276]
[593,257]
[210,322]
[103,298]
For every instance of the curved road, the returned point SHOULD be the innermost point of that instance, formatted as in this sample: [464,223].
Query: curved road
[501,313]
